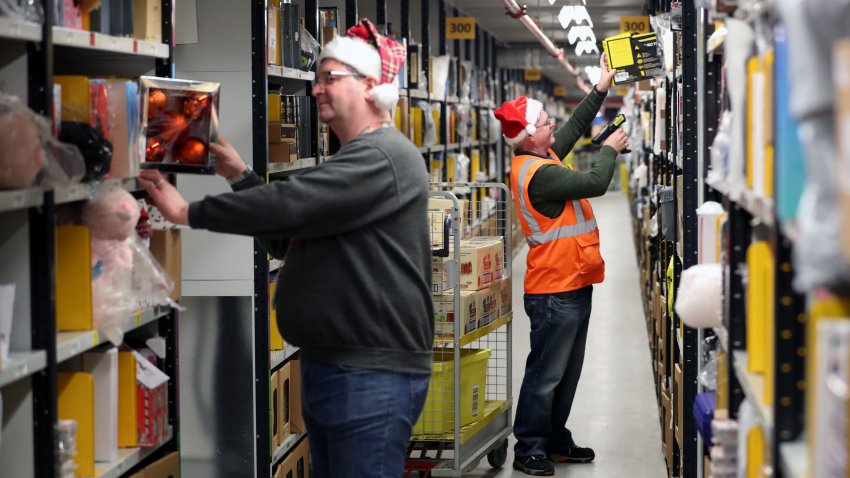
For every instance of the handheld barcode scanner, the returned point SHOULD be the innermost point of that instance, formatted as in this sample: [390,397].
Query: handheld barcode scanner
[612,126]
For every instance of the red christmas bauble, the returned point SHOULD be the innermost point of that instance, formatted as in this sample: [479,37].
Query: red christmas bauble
[154,151]
[173,123]
[195,105]
[191,151]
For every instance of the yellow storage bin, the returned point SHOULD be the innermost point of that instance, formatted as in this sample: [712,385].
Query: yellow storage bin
[439,412]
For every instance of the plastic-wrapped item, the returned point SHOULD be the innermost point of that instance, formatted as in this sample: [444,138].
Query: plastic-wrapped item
[30,10]
[666,199]
[699,301]
[439,75]
[463,121]
[429,127]
[708,375]
[125,276]
[95,148]
[309,50]
[720,148]
[179,121]
[66,442]
[29,154]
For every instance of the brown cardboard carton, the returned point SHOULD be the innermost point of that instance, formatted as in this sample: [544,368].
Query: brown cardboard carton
[679,400]
[445,314]
[438,275]
[505,296]
[481,262]
[147,20]
[166,248]
[281,152]
[487,303]
[273,37]
[166,467]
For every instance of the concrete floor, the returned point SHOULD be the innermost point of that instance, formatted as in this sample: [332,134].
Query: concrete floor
[615,410]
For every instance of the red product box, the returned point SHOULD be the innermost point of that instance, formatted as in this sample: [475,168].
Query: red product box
[151,402]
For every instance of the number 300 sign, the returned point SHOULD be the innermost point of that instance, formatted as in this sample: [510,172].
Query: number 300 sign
[460,28]
[635,24]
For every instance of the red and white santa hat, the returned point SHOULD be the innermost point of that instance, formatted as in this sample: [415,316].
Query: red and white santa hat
[372,55]
[518,118]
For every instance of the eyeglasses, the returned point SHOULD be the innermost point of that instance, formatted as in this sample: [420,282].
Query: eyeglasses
[329,77]
[550,123]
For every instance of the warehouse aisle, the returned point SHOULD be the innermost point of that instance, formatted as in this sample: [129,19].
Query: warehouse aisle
[615,410]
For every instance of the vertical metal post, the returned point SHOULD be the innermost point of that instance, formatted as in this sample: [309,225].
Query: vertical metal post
[352,14]
[381,16]
[169,329]
[405,20]
[165,66]
[737,238]
[259,92]
[789,349]
[42,231]
[426,38]
[311,25]
[690,239]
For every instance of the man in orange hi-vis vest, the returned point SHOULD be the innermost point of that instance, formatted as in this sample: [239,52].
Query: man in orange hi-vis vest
[563,264]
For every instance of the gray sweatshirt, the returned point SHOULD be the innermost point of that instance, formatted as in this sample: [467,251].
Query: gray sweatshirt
[355,288]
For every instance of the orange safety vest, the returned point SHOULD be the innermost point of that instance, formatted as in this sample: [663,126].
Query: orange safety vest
[564,252]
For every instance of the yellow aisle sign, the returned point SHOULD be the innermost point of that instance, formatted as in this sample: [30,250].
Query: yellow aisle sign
[533,74]
[560,91]
[638,24]
[460,28]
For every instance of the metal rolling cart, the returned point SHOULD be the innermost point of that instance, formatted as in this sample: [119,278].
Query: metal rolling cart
[467,413]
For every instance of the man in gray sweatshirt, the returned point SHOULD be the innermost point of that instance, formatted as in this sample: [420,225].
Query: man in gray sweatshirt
[354,291]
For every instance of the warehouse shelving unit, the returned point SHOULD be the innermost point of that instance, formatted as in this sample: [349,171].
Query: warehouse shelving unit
[28,382]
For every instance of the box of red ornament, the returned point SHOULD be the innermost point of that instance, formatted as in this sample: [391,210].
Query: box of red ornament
[151,402]
[179,120]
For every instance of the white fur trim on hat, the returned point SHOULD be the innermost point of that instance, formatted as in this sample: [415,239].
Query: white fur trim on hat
[513,142]
[533,109]
[385,96]
[354,52]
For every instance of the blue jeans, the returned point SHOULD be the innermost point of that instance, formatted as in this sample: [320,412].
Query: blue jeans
[558,338]
[358,420]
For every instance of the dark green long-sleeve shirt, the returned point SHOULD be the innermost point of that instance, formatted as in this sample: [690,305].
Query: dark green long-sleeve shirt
[551,186]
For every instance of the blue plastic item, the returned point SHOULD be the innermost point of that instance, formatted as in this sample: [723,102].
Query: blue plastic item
[704,406]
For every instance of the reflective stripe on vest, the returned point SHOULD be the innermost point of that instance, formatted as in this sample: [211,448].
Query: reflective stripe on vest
[537,236]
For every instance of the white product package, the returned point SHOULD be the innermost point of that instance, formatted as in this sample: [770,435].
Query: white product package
[7,307]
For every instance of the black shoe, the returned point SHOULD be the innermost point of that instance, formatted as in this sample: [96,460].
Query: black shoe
[573,454]
[537,465]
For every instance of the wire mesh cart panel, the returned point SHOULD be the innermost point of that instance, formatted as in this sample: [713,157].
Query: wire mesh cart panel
[467,413]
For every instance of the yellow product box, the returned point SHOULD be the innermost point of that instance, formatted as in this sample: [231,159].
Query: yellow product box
[487,304]
[481,262]
[445,313]
[438,414]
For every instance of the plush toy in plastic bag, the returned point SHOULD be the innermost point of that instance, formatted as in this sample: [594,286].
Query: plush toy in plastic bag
[125,276]
[29,154]
[699,300]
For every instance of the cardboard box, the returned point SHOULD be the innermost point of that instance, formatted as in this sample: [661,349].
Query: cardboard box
[487,304]
[438,275]
[274,108]
[276,407]
[438,210]
[289,385]
[147,20]
[841,73]
[152,402]
[635,57]
[166,247]
[166,467]
[103,367]
[505,296]
[273,25]
[445,314]
[282,152]
[481,262]
[75,401]
[297,463]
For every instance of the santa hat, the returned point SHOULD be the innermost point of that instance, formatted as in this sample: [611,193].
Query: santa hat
[371,55]
[518,118]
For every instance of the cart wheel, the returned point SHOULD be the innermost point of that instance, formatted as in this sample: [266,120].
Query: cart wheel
[497,456]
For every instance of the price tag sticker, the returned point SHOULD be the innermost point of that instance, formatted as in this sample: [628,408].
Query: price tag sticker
[138,319]
[95,337]
[18,199]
